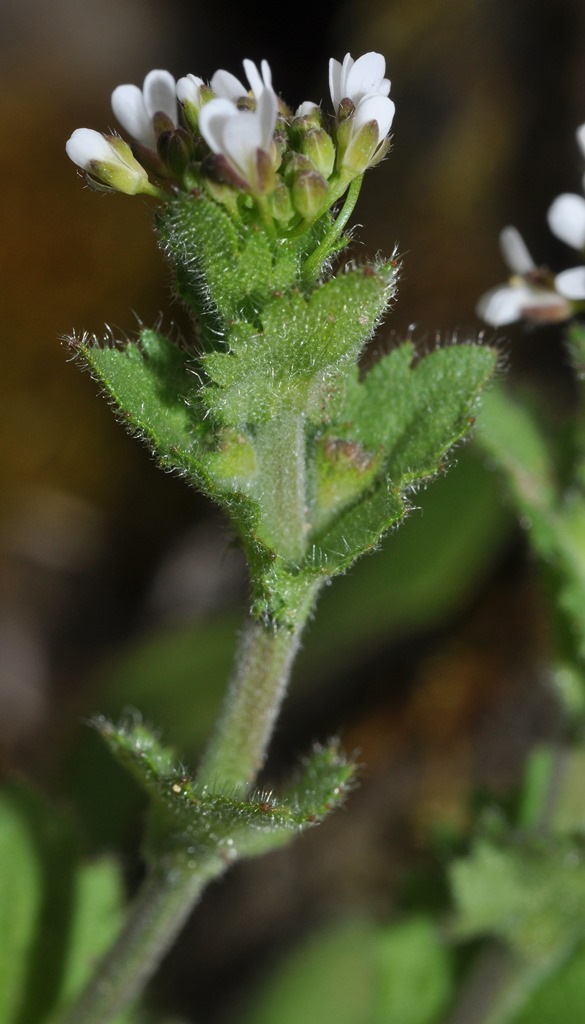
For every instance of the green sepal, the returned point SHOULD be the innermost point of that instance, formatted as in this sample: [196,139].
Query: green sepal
[204,822]
[413,413]
[303,345]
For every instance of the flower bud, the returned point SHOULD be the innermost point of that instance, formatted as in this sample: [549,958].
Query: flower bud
[192,93]
[281,205]
[175,150]
[109,160]
[308,190]
[318,146]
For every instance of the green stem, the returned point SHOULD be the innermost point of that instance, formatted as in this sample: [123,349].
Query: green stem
[314,262]
[157,915]
[238,746]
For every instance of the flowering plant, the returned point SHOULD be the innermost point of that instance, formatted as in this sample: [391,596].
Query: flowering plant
[534,293]
[264,407]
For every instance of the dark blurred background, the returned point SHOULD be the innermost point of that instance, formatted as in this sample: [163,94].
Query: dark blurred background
[121,587]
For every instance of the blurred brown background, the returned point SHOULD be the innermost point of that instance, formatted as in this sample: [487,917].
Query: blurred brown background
[99,550]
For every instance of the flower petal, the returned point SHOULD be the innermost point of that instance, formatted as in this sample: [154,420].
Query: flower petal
[160,95]
[227,86]
[501,305]
[306,108]
[571,283]
[129,109]
[258,82]
[374,108]
[212,119]
[189,90]
[566,219]
[86,145]
[581,138]
[335,75]
[514,251]
[367,76]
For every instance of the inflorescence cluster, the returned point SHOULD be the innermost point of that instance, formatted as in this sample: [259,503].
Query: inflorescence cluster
[245,147]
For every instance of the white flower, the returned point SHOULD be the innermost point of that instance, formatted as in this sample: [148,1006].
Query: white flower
[227,86]
[356,79]
[135,108]
[362,129]
[524,296]
[242,137]
[109,160]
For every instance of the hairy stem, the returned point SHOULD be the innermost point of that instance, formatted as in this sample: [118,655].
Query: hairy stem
[156,917]
[238,746]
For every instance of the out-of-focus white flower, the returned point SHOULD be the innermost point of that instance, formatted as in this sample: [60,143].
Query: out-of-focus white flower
[136,108]
[243,138]
[109,160]
[526,295]
[227,86]
[355,79]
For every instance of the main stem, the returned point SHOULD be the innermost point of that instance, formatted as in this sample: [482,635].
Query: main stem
[157,915]
[238,745]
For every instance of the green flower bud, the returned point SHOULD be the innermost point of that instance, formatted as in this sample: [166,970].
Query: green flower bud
[318,146]
[309,190]
[175,150]
[110,161]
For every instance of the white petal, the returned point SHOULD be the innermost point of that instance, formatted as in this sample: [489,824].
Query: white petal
[241,140]
[335,82]
[86,145]
[306,108]
[571,283]
[128,107]
[581,138]
[212,119]
[258,82]
[514,251]
[266,113]
[566,219]
[159,94]
[189,90]
[227,86]
[366,75]
[501,305]
[374,108]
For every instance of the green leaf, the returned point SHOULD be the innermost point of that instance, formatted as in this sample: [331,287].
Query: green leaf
[204,822]
[413,413]
[57,915]
[36,898]
[516,441]
[528,894]
[300,345]
[97,917]
[562,996]
[359,973]
[149,382]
